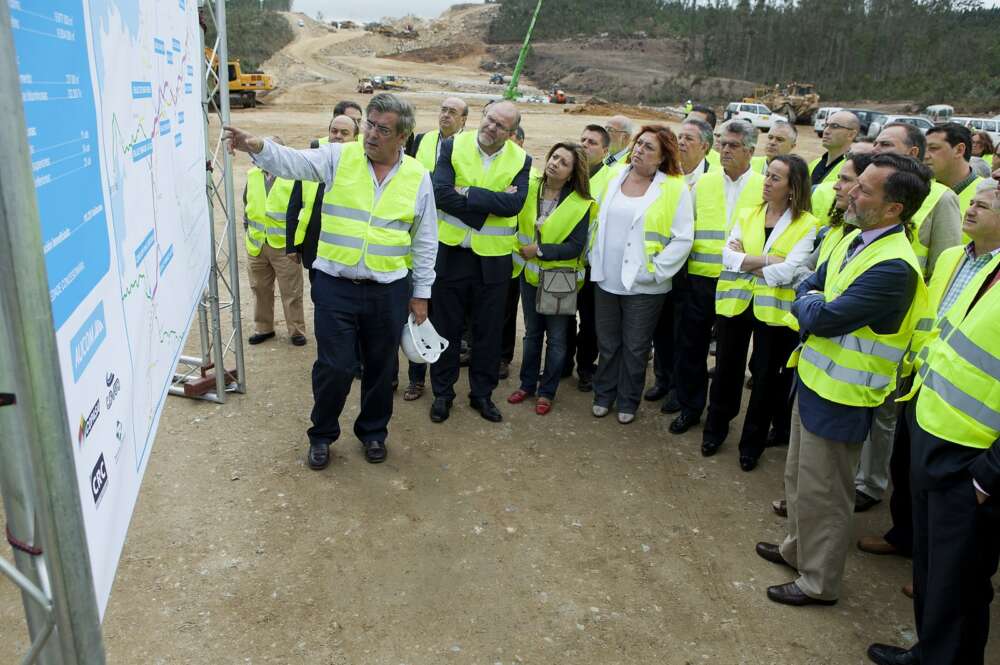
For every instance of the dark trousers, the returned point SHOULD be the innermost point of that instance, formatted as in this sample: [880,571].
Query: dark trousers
[663,344]
[696,304]
[772,381]
[956,546]
[539,330]
[900,535]
[485,303]
[583,342]
[510,320]
[350,315]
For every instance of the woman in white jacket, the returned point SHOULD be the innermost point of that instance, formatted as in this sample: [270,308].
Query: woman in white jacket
[643,237]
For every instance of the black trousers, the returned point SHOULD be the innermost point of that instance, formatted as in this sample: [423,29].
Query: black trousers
[582,342]
[772,381]
[510,310]
[696,312]
[900,534]
[485,302]
[663,343]
[956,546]
[350,316]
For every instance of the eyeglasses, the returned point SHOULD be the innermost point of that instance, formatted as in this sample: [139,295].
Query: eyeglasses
[732,145]
[836,125]
[614,130]
[490,120]
[383,131]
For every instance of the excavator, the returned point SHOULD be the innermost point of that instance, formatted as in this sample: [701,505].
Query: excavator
[244,87]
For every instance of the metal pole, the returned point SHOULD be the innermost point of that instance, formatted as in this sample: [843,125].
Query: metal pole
[234,264]
[34,362]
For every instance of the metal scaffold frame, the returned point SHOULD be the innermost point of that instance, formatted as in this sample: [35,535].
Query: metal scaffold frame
[209,376]
[38,477]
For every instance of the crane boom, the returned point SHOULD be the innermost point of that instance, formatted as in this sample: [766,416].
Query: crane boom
[511,92]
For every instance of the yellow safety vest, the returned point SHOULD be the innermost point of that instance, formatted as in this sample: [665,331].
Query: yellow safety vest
[758,164]
[555,230]
[427,152]
[859,368]
[959,382]
[965,197]
[265,211]
[711,228]
[714,160]
[496,238]
[822,199]
[735,289]
[353,223]
[323,139]
[921,250]
[830,240]
[831,175]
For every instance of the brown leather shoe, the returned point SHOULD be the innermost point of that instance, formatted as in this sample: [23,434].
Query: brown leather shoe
[908,589]
[876,545]
[780,508]
[790,594]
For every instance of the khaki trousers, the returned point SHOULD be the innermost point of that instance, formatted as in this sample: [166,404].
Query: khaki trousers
[273,263]
[819,487]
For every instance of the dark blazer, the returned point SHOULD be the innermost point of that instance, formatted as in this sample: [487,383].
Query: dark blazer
[307,250]
[473,209]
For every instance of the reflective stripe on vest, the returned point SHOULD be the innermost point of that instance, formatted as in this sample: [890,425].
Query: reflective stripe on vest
[556,228]
[354,224]
[735,290]
[859,368]
[496,238]
[427,152]
[265,211]
[921,250]
[711,226]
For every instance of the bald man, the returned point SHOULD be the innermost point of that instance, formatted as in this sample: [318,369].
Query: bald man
[840,131]
[451,120]
[620,130]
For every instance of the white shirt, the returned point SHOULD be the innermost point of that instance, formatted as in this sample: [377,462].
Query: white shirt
[320,165]
[617,157]
[621,211]
[733,189]
[779,274]
[634,276]
[692,178]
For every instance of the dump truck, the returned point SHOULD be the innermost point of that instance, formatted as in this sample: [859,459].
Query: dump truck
[244,87]
[797,101]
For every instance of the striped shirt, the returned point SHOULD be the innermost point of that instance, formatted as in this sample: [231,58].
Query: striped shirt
[967,271]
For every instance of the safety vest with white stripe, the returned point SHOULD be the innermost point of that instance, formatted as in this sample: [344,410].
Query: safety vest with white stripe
[497,237]
[711,226]
[959,382]
[353,223]
[265,211]
[427,152]
[735,290]
[859,368]
[920,249]
[556,228]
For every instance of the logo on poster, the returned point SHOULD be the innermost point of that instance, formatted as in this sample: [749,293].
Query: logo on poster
[87,424]
[99,480]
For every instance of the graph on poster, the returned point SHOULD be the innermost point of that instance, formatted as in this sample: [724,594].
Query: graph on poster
[111,91]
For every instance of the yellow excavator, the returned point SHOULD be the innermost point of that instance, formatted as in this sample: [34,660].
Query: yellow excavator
[244,87]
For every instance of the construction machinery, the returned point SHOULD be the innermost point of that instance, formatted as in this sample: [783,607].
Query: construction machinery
[797,101]
[557,96]
[366,86]
[244,87]
[512,91]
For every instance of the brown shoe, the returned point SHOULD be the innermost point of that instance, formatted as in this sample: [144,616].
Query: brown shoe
[413,391]
[908,589]
[780,508]
[876,545]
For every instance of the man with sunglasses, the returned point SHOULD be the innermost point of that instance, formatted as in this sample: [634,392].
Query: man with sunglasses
[375,261]
[839,133]
[480,184]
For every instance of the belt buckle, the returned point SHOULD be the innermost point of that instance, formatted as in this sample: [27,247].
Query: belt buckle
[357,281]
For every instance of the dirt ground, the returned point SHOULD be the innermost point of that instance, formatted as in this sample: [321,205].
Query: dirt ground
[543,541]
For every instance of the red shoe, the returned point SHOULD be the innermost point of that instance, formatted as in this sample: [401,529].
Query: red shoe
[518,396]
[543,406]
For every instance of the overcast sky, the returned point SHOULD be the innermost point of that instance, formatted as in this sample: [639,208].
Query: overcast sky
[371,9]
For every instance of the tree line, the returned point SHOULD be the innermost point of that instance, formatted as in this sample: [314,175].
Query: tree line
[254,33]
[926,50]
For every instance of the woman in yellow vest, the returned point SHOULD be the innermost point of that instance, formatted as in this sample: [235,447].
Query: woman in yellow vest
[833,229]
[644,234]
[552,233]
[766,248]
[982,147]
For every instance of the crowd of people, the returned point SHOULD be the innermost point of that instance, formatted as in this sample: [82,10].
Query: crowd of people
[860,285]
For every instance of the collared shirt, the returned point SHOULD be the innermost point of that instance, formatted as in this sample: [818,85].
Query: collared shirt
[967,271]
[822,168]
[733,189]
[617,157]
[965,182]
[320,165]
[692,178]
[864,239]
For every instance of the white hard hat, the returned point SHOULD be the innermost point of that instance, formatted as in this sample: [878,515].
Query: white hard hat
[421,343]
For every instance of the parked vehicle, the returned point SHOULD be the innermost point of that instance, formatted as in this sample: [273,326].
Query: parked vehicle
[758,115]
[989,125]
[939,113]
[865,117]
[819,124]
[797,102]
[882,119]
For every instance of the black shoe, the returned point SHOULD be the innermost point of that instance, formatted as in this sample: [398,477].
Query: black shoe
[771,552]
[299,340]
[775,439]
[671,405]
[257,338]
[884,654]
[319,456]
[375,451]
[709,448]
[486,408]
[655,393]
[440,409]
[790,594]
[748,462]
[683,423]
[863,502]
[585,383]
[504,370]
